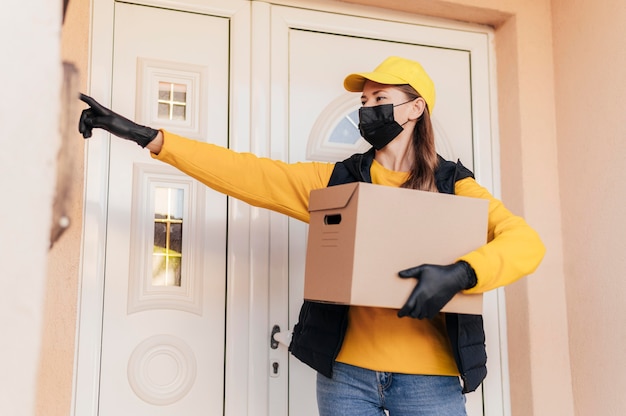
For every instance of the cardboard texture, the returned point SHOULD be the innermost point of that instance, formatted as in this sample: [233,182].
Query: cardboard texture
[361,235]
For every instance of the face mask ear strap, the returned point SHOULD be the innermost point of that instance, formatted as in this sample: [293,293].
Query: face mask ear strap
[396,105]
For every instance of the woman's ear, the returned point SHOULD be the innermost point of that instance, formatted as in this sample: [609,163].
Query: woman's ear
[418,106]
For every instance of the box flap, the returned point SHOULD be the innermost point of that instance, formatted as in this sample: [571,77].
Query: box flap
[333,197]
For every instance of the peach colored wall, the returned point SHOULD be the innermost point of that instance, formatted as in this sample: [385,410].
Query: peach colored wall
[29,132]
[54,387]
[590,61]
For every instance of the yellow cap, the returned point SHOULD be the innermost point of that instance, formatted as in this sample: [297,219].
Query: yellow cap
[396,71]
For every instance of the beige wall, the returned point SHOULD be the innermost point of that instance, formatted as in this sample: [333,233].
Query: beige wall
[54,387]
[590,65]
[559,67]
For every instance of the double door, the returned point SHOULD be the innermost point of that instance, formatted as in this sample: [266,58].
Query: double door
[191,283]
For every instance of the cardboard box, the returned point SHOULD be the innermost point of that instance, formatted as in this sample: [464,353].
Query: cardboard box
[361,235]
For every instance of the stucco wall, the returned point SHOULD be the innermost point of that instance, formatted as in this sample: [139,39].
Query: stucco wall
[590,60]
[54,387]
[29,132]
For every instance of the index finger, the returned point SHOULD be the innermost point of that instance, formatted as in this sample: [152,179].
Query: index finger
[89,101]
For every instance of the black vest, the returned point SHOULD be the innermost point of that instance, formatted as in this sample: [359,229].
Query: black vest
[319,333]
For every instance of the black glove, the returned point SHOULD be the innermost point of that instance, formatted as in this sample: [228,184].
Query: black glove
[101,117]
[436,285]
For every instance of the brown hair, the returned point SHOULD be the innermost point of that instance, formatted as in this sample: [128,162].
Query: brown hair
[425,161]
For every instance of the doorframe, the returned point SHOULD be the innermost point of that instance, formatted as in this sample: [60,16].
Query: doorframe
[249,227]
[495,389]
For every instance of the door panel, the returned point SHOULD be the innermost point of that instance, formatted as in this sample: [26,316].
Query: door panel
[163,340]
[164,302]
[314,52]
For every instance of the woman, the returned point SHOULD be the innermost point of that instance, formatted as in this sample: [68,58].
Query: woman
[369,360]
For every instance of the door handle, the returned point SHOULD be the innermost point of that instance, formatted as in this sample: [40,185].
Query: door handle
[279,337]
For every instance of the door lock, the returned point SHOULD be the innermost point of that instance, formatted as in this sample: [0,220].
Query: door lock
[275,372]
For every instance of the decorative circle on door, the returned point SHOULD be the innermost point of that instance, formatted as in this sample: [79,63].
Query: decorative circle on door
[162,369]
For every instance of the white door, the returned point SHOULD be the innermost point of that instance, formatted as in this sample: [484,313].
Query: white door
[163,335]
[164,299]
[311,53]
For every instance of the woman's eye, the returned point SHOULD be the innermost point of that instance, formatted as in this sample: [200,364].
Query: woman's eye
[376,99]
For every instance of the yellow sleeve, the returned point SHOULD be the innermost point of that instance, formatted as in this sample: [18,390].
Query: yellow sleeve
[262,182]
[513,248]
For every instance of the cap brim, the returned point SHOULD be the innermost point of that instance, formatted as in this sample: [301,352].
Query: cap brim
[355,82]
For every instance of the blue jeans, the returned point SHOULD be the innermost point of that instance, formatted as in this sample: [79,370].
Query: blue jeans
[360,392]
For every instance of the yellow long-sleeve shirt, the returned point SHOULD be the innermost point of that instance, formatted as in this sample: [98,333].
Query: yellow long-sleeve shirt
[376,338]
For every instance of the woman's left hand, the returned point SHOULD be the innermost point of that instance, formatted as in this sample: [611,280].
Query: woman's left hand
[436,285]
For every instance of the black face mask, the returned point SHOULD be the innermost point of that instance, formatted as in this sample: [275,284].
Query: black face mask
[378,126]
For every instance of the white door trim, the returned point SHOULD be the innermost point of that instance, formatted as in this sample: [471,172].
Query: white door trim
[479,42]
[248,227]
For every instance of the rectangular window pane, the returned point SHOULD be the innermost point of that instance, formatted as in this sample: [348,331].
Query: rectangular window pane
[172,101]
[176,237]
[178,112]
[180,96]
[164,91]
[168,237]
[164,111]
